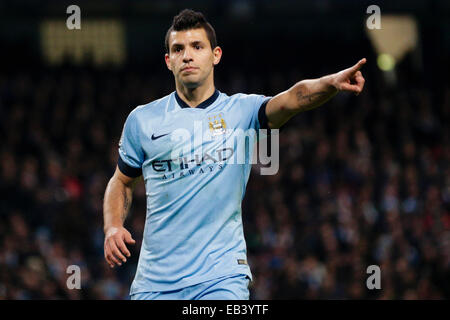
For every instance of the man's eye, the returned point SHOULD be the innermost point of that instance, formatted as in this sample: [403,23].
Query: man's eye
[197,47]
[177,49]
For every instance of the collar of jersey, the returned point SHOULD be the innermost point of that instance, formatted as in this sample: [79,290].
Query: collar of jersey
[202,105]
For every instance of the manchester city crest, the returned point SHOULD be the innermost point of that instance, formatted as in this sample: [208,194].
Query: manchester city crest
[217,124]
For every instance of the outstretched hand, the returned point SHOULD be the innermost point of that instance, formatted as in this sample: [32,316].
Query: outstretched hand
[350,79]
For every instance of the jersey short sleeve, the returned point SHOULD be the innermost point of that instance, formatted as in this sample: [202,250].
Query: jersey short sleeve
[131,154]
[258,105]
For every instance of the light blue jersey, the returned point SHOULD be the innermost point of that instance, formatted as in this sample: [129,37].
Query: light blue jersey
[193,229]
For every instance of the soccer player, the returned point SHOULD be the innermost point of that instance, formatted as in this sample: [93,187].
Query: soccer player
[193,243]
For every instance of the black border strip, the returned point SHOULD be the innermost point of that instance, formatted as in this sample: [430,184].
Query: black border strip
[232,310]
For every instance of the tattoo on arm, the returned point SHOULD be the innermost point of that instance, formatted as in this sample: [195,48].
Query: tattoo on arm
[310,98]
[126,205]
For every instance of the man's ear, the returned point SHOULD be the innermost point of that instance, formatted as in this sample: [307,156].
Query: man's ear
[217,53]
[167,59]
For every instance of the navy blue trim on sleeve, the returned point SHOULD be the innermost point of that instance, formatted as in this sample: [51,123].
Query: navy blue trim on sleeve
[128,170]
[262,116]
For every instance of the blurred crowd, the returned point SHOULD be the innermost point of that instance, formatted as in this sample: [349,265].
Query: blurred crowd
[362,181]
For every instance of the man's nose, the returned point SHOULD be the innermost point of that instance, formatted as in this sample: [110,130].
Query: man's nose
[187,56]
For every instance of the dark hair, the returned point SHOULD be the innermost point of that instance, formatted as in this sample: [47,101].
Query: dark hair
[190,19]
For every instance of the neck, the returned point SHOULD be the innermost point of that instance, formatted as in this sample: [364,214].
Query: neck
[194,96]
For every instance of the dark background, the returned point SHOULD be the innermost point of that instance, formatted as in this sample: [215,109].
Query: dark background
[363,180]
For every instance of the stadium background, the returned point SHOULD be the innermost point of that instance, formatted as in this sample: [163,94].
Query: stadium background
[363,180]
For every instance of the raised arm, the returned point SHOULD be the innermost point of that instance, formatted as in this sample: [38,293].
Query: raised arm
[116,204]
[309,94]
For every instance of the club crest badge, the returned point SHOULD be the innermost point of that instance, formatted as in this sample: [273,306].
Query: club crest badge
[217,124]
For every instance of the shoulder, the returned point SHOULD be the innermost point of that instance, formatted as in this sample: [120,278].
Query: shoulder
[249,100]
[248,96]
[148,110]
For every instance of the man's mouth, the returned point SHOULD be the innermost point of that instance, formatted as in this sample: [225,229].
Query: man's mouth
[189,69]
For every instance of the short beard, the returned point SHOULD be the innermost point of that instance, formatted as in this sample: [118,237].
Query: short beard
[192,85]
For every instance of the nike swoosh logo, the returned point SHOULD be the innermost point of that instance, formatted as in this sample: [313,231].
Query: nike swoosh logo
[157,137]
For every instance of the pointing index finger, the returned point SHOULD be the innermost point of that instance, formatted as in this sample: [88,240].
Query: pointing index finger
[358,66]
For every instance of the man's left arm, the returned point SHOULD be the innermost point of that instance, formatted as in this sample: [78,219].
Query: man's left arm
[309,94]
